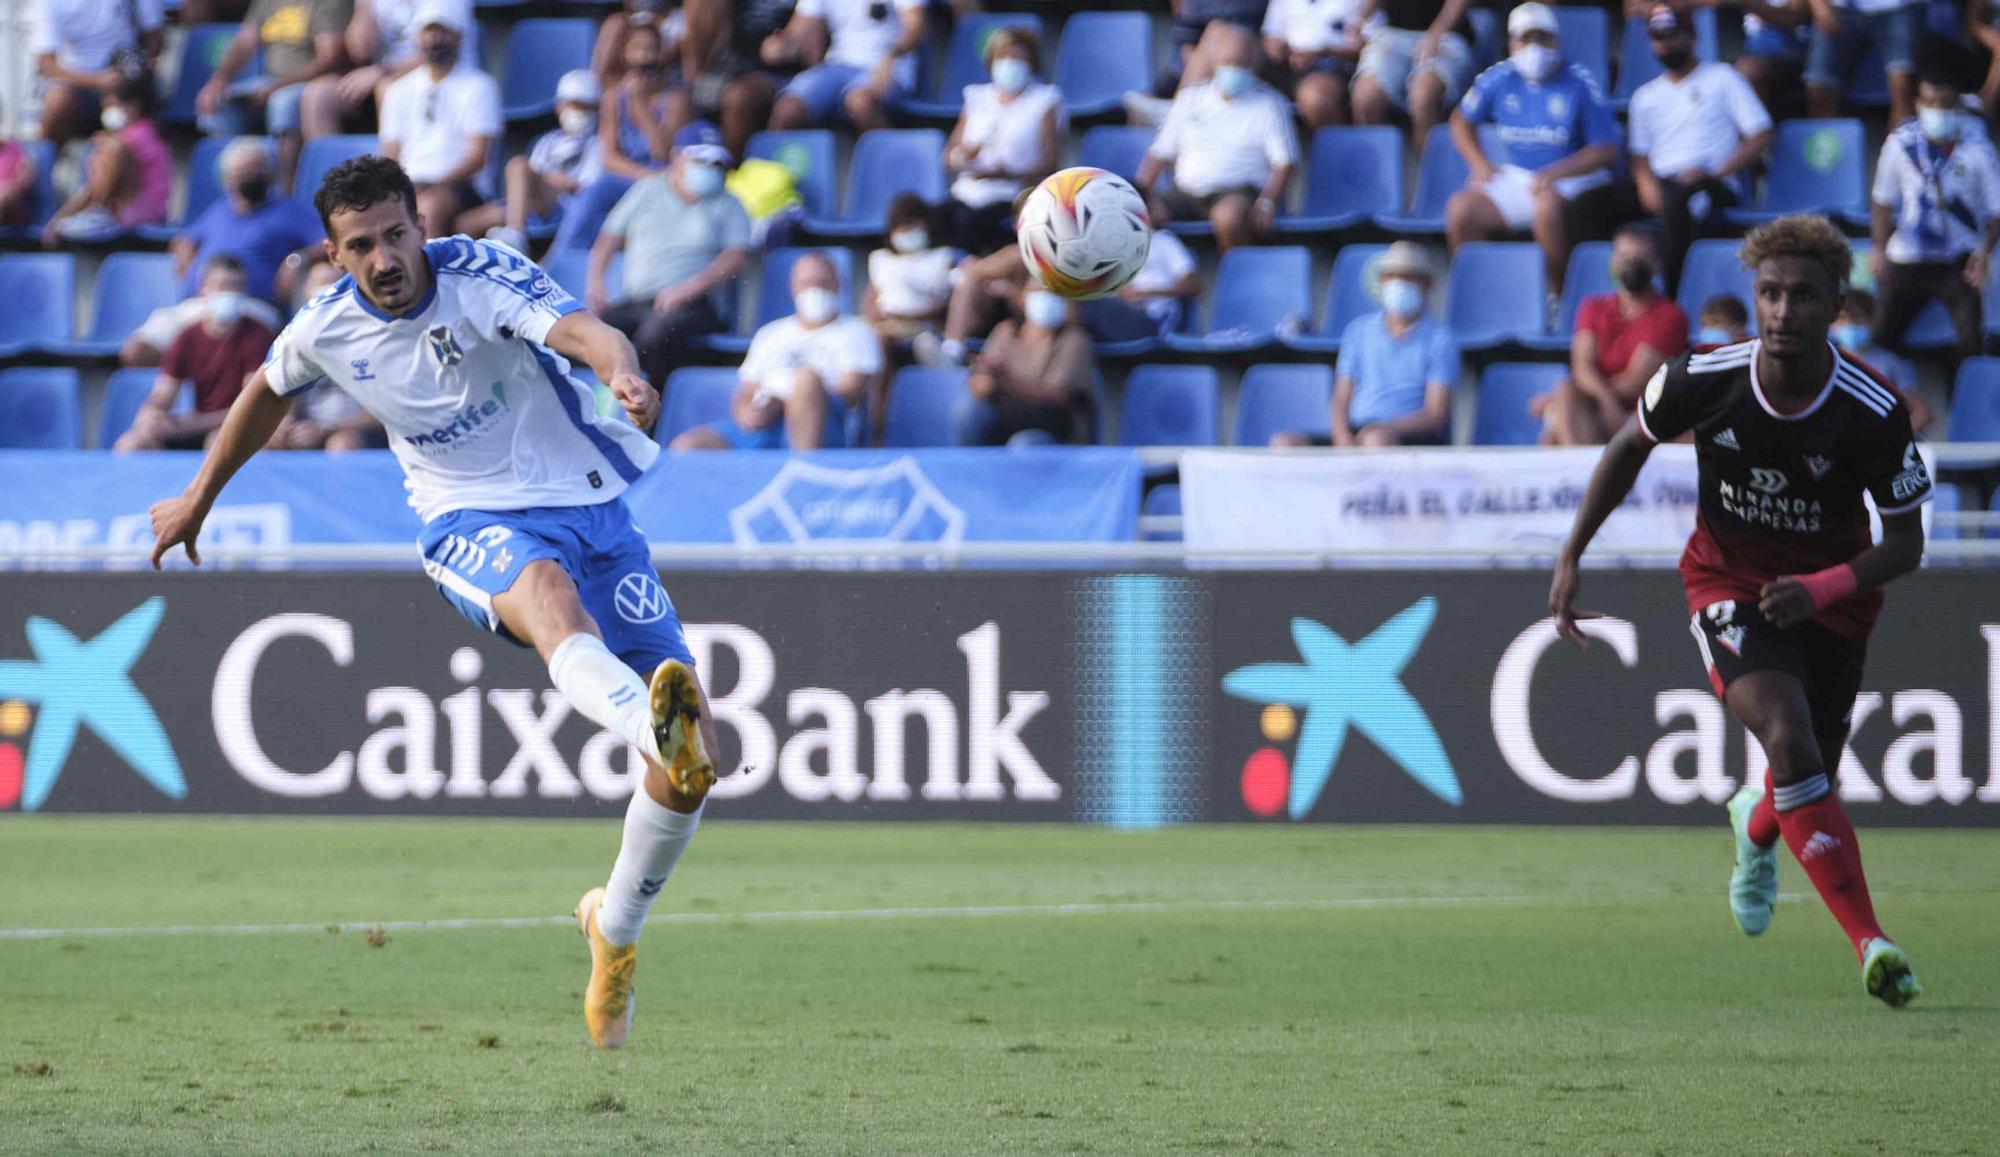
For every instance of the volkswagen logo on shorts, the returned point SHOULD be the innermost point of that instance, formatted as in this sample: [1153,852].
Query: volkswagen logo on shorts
[641,599]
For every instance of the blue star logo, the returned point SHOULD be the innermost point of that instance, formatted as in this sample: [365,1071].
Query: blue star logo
[79,684]
[1361,686]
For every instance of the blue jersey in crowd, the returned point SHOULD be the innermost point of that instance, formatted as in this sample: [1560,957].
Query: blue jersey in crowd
[1540,123]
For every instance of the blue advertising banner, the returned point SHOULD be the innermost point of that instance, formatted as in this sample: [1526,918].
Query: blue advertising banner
[55,501]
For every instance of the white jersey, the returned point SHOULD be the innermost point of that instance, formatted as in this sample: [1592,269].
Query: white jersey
[481,414]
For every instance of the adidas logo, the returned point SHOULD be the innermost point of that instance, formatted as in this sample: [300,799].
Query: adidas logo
[1819,845]
[1727,439]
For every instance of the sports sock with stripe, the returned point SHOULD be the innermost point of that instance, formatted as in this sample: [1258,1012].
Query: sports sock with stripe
[604,690]
[655,836]
[1823,841]
[1763,826]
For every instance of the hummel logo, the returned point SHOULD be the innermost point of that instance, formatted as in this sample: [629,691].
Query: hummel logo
[1818,465]
[652,887]
[1727,439]
[1819,845]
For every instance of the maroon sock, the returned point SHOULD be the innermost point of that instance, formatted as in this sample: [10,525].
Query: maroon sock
[1763,826]
[1823,842]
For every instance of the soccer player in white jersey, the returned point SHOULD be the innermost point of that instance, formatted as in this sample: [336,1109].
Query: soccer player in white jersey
[462,349]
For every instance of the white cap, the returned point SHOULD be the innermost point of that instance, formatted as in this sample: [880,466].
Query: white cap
[578,86]
[1533,17]
[452,14]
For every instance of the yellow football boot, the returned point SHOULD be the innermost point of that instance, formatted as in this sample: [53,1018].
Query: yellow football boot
[676,703]
[607,1003]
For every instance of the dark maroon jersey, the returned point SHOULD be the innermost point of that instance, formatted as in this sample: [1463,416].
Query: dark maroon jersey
[1781,493]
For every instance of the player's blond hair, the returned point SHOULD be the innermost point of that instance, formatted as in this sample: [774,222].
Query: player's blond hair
[1806,235]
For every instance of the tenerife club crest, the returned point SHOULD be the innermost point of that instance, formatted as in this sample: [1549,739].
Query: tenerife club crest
[445,346]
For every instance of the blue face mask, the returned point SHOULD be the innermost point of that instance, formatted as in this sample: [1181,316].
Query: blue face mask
[1713,335]
[1233,80]
[702,180]
[1402,298]
[1851,335]
[1010,74]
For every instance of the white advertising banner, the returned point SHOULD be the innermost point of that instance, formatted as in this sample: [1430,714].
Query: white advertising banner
[1412,501]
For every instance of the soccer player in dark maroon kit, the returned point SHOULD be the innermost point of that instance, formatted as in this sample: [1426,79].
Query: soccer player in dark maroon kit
[1782,577]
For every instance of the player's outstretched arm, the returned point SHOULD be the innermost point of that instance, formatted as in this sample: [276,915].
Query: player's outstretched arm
[1616,471]
[584,337]
[1792,599]
[250,424]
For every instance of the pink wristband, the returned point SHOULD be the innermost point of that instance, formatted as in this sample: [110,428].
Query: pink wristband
[1829,586]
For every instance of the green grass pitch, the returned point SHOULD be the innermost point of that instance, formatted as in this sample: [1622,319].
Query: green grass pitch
[1288,989]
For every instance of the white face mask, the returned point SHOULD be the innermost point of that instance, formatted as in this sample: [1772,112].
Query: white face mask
[910,240]
[576,121]
[226,308]
[815,306]
[1537,62]
[1938,124]
[114,118]
[1402,298]
[1046,309]
[1010,74]
[702,180]
[1232,79]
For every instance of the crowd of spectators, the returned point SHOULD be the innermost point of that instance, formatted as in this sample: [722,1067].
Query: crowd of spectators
[646,160]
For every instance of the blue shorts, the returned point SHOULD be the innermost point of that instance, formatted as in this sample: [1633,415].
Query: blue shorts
[474,555]
[1831,61]
[823,86]
[237,117]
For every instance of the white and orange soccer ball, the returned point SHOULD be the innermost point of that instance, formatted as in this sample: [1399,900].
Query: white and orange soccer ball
[1084,233]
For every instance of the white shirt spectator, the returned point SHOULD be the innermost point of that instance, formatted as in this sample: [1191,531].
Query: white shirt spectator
[395,24]
[910,284]
[1941,203]
[1217,143]
[435,119]
[1308,25]
[86,34]
[854,38]
[1697,120]
[1009,137]
[579,157]
[846,345]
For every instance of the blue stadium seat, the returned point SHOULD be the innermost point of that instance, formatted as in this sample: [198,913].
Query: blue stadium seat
[1636,62]
[1586,41]
[965,61]
[318,155]
[1162,501]
[539,51]
[1115,148]
[1170,406]
[920,404]
[570,268]
[1486,36]
[695,396]
[201,49]
[1277,398]
[1975,402]
[1816,167]
[1713,267]
[1350,292]
[1589,275]
[129,287]
[1505,389]
[1496,293]
[37,289]
[774,291]
[43,155]
[1441,171]
[1353,174]
[1257,290]
[40,409]
[1101,57]
[885,162]
[808,153]
[124,393]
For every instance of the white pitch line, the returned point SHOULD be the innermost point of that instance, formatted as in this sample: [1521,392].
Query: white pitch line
[828,915]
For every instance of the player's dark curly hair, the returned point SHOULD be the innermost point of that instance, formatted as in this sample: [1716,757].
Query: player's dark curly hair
[1806,235]
[360,183]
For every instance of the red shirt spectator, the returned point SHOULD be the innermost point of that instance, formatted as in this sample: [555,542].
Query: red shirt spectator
[1621,339]
[217,363]
[1659,323]
[215,356]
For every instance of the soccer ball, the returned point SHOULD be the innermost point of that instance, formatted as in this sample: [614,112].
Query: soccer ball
[1084,233]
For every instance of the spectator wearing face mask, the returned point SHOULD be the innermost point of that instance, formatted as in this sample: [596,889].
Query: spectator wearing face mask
[637,119]
[803,376]
[383,43]
[215,356]
[542,182]
[686,240]
[441,121]
[1032,379]
[1621,339]
[1936,212]
[1005,141]
[150,341]
[1558,134]
[1854,333]
[1724,320]
[1397,368]
[250,222]
[82,49]
[129,176]
[909,283]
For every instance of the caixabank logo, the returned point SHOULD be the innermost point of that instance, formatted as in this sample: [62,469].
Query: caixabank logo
[1337,687]
[74,685]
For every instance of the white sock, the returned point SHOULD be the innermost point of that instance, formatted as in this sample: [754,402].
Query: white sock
[604,690]
[655,837]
